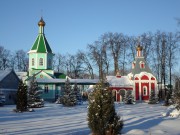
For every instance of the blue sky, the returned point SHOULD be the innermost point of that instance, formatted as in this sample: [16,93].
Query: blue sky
[72,24]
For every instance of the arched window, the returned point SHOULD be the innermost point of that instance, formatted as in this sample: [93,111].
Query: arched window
[41,62]
[32,61]
[142,65]
[145,91]
[133,65]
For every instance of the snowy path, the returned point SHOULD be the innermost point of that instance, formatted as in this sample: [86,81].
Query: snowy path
[54,119]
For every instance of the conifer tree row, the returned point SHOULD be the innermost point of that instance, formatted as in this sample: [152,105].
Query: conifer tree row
[71,96]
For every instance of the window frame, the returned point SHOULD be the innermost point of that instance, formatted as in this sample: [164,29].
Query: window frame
[41,61]
[32,62]
[142,64]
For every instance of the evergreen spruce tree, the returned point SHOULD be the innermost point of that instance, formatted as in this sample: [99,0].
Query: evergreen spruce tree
[67,87]
[102,118]
[77,94]
[68,98]
[152,99]
[34,95]
[21,104]
[129,99]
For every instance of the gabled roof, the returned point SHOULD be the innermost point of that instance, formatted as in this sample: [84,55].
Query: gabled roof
[41,72]
[4,73]
[122,81]
[41,45]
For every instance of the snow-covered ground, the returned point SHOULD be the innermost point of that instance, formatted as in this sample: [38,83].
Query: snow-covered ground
[54,119]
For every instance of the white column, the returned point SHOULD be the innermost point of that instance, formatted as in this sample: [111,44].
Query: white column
[140,94]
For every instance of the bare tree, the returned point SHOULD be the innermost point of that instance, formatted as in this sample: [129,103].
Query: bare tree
[74,66]
[147,40]
[115,42]
[4,58]
[21,60]
[87,63]
[172,41]
[132,49]
[95,53]
[123,55]
[59,62]
[105,53]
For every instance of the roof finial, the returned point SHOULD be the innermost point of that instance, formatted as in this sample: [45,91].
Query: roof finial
[41,13]
[41,22]
[139,47]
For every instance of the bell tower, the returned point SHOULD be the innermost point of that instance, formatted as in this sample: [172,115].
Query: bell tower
[40,55]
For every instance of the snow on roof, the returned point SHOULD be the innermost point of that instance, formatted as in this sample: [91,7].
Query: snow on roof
[78,81]
[144,73]
[130,75]
[4,73]
[21,74]
[123,81]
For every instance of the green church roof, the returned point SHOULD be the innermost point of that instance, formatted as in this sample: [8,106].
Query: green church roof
[41,44]
[60,75]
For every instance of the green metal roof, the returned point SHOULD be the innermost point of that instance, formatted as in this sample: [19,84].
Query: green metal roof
[60,75]
[41,45]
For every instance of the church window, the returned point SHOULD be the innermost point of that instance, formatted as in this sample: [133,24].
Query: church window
[133,65]
[41,62]
[32,61]
[144,91]
[46,90]
[142,65]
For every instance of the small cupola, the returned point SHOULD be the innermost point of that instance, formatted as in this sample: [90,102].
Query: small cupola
[41,25]
[139,49]
[118,75]
[41,22]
